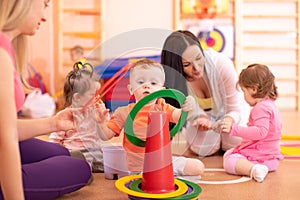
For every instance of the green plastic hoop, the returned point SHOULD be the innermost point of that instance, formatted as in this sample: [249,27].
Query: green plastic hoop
[170,93]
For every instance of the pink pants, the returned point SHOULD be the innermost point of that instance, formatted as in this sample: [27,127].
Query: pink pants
[230,160]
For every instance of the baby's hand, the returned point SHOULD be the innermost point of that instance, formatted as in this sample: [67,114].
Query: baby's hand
[189,104]
[226,125]
[223,126]
[202,122]
[217,126]
[102,113]
[69,133]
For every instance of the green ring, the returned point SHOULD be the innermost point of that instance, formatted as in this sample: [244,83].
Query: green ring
[196,189]
[170,93]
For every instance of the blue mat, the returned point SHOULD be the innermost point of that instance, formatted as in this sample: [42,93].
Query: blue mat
[111,66]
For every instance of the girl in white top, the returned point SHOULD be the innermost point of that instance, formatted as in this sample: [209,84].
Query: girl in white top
[80,86]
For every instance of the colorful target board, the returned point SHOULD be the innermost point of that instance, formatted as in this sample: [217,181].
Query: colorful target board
[212,39]
[217,37]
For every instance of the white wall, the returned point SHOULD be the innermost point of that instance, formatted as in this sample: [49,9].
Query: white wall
[141,26]
[134,26]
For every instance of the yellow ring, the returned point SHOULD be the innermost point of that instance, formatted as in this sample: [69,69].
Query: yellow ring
[120,184]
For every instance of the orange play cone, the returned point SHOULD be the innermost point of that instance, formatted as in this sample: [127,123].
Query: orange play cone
[158,175]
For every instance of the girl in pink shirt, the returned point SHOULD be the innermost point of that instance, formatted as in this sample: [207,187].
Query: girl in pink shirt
[259,151]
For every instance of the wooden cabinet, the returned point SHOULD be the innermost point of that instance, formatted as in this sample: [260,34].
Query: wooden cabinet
[76,22]
[79,24]
[267,32]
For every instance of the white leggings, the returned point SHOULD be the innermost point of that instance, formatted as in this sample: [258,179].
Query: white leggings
[205,143]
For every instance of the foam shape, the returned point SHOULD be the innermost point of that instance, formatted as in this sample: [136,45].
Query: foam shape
[290,150]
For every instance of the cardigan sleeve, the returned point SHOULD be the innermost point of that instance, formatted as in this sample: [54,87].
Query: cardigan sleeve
[229,78]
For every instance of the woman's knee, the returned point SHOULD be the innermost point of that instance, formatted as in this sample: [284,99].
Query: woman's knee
[205,149]
[229,142]
[77,170]
[205,143]
[60,150]
[55,176]
[42,147]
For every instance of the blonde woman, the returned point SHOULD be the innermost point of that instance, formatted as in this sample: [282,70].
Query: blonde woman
[30,168]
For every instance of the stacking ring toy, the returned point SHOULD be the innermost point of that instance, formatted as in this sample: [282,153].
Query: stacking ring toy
[121,185]
[196,190]
[170,93]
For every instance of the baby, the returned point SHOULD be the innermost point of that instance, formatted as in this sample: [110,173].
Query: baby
[259,151]
[147,76]
[80,86]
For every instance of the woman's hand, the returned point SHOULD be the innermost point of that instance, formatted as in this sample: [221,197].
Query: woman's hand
[189,104]
[202,122]
[64,120]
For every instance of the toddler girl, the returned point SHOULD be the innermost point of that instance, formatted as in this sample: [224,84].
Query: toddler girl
[259,151]
[80,86]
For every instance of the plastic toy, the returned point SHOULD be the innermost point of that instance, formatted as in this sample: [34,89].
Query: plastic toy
[114,158]
[290,149]
[108,85]
[157,180]
[290,137]
[171,93]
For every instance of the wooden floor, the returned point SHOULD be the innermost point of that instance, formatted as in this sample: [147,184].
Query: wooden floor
[280,185]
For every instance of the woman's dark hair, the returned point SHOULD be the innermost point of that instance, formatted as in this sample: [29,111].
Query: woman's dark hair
[171,59]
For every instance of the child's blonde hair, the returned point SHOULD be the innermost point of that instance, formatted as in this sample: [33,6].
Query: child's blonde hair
[11,15]
[260,77]
[146,63]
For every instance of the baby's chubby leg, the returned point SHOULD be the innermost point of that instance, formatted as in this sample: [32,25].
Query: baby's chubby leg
[187,166]
[239,165]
